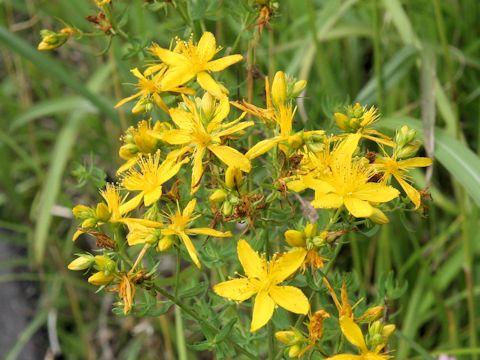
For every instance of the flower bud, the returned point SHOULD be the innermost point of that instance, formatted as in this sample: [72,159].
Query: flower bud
[127,151]
[298,88]
[104,263]
[371,314]
[89,223]
[279,89]
[310,230]
[52,40]
[81,263]
[388,330]
[82,212]
[294,351]
[208,105]
[287,337]
[165,243]
[341,120]
[295,141]
[404,136]
[408,151]
[233,177]
[99,279]
[218,196]
[227,208]
[102,213]
[379,217]
[295,238]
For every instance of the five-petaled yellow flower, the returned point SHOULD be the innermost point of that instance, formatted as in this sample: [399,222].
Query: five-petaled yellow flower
[150,178]
[201,128]
[348,183]
[263,279]
[390,166]
[189,60]
[179,226]
[149,90]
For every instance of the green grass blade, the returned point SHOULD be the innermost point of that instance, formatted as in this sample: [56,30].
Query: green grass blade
[55,69]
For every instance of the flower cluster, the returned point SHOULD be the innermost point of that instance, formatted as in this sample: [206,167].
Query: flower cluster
[199,171]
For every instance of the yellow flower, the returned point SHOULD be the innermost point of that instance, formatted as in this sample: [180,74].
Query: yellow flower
[263,279]
[347,183]
[179,226]
[190,60]
[112,210]
[149,90]
[280,111]
[150,178]
[357,120]
[201,128]
[354,335]
[390,166]
[138,141]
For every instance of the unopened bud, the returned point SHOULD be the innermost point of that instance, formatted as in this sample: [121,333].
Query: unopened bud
[294,351]
[126,151]
[233,177]
[379,217]
[82,212]
[165,243]
[371,314]
[298,88]
[288,337]
[218,196]
[227,208]
[388,330]
[102,213]
[89,223]
[52,40]
[295,238]
[310,230]
[404,136]
[82,262]
[279,89]
[408,151]
[100,278]
[295,141]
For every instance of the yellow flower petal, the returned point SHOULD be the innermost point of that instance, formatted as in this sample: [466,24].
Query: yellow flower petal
[176,137]
[262,147]
[207,83]
[345,357]
[131,204]
[221,64]
[181,118]
[296,185]
[353,333]
[207,46]
[287,264]
[127,99]
[415,162]
[209,232]
[152,196]
[188,210]
[235,128]
[169,57]
[197,170]
[327,201]
[176,76]
[231,157]
[358,208]
[290,298]
[190,248]
[411,192]
[253,265]
[236,289]
[375,192]
[262,310]
[77,234]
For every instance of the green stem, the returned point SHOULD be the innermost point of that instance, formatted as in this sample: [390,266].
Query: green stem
[213,329]
[180,335]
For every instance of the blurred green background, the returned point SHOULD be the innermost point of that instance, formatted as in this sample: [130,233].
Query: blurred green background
[417,60]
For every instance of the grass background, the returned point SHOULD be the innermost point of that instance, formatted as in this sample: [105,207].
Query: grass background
[417,60]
